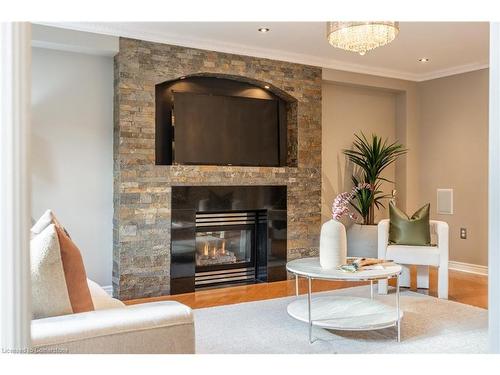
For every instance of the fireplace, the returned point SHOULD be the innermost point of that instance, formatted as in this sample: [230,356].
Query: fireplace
[226,235]
[226,247]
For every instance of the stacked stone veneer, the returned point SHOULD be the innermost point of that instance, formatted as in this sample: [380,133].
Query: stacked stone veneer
[142,190]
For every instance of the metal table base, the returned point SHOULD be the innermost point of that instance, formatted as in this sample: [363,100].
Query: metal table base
[309,304]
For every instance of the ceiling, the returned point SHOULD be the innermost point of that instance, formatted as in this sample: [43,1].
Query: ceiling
[452,47]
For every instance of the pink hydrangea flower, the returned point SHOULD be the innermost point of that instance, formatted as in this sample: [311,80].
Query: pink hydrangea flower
[342,202]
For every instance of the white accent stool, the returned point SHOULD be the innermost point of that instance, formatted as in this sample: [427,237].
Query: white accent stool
[421,256]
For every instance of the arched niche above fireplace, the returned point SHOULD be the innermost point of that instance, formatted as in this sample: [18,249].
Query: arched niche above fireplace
[207,119]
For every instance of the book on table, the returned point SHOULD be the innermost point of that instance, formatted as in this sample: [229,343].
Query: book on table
[360,264]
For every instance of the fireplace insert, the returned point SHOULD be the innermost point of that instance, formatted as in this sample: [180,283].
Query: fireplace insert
[224,235]
[226,247]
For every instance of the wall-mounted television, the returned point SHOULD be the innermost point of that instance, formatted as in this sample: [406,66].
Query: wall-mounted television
[216,121]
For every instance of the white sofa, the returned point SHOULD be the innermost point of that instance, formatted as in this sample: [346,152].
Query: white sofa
[421,256]
[157,327]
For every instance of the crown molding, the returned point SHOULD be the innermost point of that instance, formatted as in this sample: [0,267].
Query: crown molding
[453,70]
[73,41]
[234,48]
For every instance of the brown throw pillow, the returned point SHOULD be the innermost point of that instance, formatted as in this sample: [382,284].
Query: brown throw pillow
[74,272]
[414,231]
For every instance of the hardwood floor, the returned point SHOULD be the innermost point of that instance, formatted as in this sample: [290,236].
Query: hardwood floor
[463,287]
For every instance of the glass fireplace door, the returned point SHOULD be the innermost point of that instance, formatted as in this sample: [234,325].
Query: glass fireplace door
[221,247]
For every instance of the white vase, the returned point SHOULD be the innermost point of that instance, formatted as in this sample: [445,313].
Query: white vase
[362,241]
[332,244]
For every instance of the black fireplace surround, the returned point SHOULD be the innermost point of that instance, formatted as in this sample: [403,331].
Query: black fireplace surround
[224,235]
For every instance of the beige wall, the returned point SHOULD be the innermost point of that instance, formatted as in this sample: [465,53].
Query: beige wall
[454,138]
[348,110]
[407,121]
[443,123]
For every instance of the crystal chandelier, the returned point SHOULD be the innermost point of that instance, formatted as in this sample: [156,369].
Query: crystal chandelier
[361,37]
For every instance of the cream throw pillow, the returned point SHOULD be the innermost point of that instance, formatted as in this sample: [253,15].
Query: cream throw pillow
[48,284]
[45,220]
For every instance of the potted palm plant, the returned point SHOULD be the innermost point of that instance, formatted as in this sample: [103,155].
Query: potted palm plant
[370,158]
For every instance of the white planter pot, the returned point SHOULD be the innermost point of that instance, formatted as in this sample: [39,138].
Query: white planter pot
[362,241]
[332,244]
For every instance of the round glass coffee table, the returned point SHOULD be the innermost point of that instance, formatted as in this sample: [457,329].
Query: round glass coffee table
[343,312]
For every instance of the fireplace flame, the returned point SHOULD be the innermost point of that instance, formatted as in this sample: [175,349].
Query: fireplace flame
[213,250]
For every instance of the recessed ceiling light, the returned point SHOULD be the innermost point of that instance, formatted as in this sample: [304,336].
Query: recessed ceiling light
[423,59]
[183,77]
[264,29]
[266,87]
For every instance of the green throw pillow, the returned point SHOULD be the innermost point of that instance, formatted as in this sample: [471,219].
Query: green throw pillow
[413,231]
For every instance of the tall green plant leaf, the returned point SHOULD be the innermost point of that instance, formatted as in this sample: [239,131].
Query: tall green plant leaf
[371,157]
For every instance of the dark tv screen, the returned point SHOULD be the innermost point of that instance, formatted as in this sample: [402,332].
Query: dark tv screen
[225,130]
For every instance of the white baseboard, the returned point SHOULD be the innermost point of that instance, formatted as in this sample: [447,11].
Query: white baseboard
[108,289]
[468,267]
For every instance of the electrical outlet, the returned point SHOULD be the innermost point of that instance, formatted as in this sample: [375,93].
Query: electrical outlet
[463,233]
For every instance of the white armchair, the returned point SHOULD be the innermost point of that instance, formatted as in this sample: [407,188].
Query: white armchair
[149,328]
[421,256]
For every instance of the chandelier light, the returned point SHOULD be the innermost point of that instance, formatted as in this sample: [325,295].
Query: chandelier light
[361,37]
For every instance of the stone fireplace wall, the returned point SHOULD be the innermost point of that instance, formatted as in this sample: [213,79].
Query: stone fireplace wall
[142,190]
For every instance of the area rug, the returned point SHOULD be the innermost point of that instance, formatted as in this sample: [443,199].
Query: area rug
[430,325]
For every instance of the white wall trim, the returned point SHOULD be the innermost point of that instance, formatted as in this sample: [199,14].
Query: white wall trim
[453,71]
[108,289]
[69,48]
[215,45]
[468,267]
[493,189]
[74,41]
[15,182]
